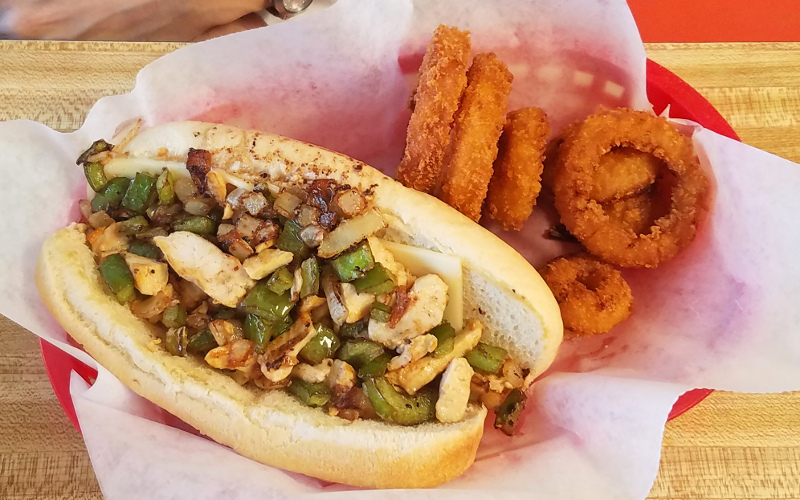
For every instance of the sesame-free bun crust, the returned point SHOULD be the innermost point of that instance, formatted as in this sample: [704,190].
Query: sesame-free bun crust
[501,290]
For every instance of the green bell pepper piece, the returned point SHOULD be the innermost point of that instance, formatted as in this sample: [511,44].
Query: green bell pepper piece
[486,358]
[225,313]
[174,316]
[314,395]
[97,146]
[145,249]
[176,341]
[376,281]
[353,264]
[265,303]
[376,367]
[134,225]
[257,331]
[201,342]
[112,195]
[197,224]
[404,410]
[309,271]
[352,330]
[118,277]
[280,281]
[95,176]
[509,411]
[379,404]
[139,193]
[280,326]
[445,335]
[323,345]
[359,352]
[289,240]
[165,185]
[100,203]
[380,312]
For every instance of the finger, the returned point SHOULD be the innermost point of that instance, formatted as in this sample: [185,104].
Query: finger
[5,25]
[248,22]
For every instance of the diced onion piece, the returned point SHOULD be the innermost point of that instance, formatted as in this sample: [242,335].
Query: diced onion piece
[234,197]
[307,215]
[231,241]
[350,202]
[273,189]
[86,207]
[297,283]
[185,189]
[225,229]
[225,330]
[100,219]
[286,203]
[152,306]
[191,295]
[350,232]
[110,241]
[198,205]
[240,249]
[312,236]
[336,307]
[100,157]
[254,202]
[248,225]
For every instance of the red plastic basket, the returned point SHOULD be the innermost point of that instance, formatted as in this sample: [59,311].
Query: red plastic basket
[663,88]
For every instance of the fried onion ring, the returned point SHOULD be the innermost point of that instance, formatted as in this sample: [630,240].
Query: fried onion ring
[586,218]
[623,172]
[442,79]
[516,181]
[640,211]
[551,152]
[468,162]
[634,213]
[592,295]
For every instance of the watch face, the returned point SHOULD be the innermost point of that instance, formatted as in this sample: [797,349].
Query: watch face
[295,6]
[281,10]
[289,8]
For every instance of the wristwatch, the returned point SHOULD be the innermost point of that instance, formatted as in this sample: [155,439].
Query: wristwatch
[287,8]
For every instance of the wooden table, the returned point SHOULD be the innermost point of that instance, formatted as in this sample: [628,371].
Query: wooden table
[729,446]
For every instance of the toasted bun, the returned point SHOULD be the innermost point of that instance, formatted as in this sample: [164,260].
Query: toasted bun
[501,290]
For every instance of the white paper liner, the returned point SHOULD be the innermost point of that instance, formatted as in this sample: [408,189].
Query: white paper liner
[721,315]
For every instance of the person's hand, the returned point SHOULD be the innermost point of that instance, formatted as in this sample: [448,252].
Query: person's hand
[248,22]
[135,20]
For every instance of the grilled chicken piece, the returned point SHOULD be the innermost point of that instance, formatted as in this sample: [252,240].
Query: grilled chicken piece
[428,298]
[196,259]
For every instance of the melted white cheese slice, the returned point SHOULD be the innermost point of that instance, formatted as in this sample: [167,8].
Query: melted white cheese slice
[128,167]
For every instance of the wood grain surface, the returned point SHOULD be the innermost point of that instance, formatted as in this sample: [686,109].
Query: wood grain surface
[730,446]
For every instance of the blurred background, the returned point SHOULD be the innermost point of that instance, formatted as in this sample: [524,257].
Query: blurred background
[179,20]
[717,20]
